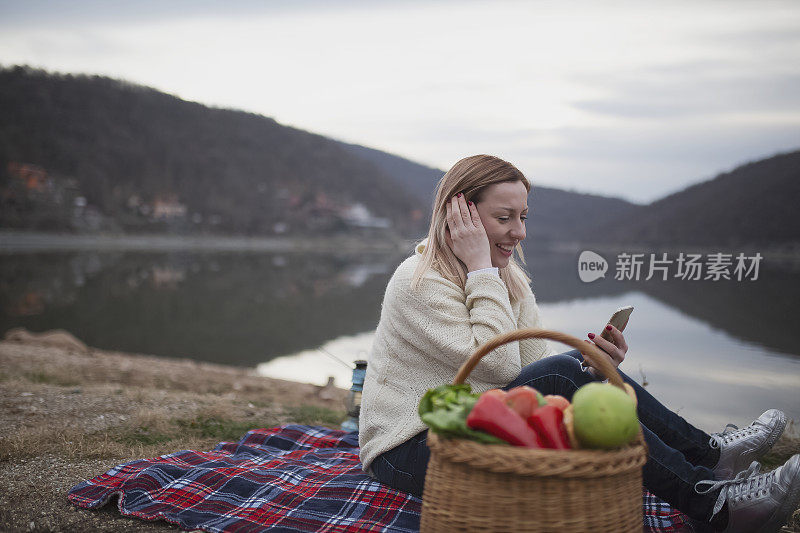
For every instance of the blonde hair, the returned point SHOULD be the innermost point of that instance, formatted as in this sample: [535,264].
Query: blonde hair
[470,176]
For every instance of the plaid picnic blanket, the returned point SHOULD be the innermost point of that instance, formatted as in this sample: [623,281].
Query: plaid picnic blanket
[288,478]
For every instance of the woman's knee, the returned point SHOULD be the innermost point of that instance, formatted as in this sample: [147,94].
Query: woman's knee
[562,365]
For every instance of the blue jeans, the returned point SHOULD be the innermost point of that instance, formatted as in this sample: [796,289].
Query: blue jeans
[679,454]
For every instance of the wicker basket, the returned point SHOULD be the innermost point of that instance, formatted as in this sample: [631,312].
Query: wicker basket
[482,487]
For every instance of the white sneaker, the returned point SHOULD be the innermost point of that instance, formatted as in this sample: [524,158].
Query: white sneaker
[740,447]
[757,503]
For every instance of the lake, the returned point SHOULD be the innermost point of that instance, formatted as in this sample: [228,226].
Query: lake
[715,351]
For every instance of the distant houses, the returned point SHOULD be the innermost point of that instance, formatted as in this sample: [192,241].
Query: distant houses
[168,207]
[32,177]
[358,216]
[32,198]
[317,211]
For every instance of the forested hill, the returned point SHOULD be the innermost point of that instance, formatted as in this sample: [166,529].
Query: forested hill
[88,152]
[419,179]
[754,204]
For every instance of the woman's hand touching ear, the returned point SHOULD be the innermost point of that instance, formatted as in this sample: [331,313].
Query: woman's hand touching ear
[466,235]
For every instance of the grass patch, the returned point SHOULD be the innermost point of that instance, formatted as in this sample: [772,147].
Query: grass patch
[152,429]
[315,416]
[178,430]
[216,427]
[50,379]
[143,436]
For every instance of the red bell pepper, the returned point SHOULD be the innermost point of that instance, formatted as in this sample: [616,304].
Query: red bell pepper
[524,400]
[548,422]
[492,415]
[500,393]
[557,400]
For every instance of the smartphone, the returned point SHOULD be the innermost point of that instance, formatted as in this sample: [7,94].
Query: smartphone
[619,320]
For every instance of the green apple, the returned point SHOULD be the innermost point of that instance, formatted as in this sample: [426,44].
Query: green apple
[604,416]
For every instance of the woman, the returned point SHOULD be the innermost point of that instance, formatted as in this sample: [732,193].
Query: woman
[463,287]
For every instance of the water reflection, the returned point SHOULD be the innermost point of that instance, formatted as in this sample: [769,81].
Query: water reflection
[236,308]
[318,364]
[725,345]
[761,312]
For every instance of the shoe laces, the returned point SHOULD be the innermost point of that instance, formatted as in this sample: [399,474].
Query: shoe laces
[744,486]
[730,434]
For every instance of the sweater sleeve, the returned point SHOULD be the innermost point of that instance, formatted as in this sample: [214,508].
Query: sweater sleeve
[529,317]
[448,324]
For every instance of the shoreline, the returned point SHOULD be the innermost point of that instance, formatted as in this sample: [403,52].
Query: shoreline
[21,242]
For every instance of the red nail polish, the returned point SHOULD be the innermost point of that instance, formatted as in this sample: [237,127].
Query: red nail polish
[470,202]
[459,195]
[608,327]
[591,335]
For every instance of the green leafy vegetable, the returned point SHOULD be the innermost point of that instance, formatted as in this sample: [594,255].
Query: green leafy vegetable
[444,410]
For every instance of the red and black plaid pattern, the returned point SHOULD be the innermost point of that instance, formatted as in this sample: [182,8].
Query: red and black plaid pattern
[659,516]
[289,478]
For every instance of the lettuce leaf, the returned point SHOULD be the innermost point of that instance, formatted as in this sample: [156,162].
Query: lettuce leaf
[444,410]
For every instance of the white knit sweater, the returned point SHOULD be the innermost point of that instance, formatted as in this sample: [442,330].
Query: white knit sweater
[424,336]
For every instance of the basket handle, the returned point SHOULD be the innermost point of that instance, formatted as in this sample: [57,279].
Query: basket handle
[599,359]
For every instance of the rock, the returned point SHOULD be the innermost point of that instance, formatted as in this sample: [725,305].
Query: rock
[328,392]
[57,338]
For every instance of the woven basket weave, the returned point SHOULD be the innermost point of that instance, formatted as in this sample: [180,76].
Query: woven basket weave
[484,487]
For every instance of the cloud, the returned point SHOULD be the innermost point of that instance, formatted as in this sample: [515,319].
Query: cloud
[621,97]
[637,161]
[697,92]
[644,164]
[780,34]
[101,12]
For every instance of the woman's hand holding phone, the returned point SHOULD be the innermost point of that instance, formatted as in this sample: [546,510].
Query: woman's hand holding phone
[616,349]
[466,235]
[611,340]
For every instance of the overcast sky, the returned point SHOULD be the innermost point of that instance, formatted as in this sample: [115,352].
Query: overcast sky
[629,98]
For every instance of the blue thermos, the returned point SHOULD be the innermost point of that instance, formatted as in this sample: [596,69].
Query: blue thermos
[354,400]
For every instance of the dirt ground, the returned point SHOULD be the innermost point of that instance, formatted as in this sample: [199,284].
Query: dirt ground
[69,413]
[67,416]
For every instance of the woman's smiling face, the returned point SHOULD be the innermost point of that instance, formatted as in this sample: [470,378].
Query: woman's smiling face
[503,208]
